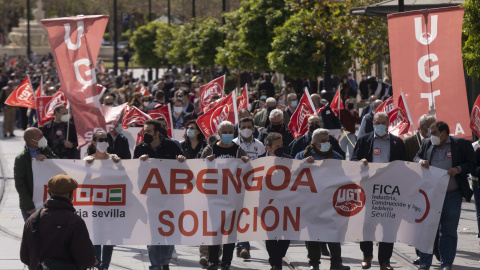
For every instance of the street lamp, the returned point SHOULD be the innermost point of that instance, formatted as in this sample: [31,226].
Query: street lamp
[115,52]
[29,49]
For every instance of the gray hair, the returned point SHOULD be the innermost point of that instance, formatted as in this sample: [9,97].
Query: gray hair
[318,132]
[223,125]
[382,114]
[424,118]
[291,95]
[270,100]
[272,136]
[275,113]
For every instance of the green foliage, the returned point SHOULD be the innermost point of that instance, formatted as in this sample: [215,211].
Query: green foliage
[205,39]
[163,42]
[180,45]
[143,41]
[471,31]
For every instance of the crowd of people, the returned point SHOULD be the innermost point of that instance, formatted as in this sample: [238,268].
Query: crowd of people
[262,131]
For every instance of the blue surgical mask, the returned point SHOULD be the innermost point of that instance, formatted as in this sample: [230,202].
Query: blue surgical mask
[380,130]
[263,97]
[227,138]
[294,103]
[324,147]
[190,133]
[119,129]
[429,134]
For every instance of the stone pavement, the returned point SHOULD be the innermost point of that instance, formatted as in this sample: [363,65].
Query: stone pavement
[135,257]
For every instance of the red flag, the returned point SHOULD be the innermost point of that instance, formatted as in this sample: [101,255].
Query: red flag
[475,117]
[143,90]
[134,116]
[46,105]
[101,67]
[320,110]
[75,43]
[431,73]
[140,136]
[387,106]
[210,89]
[164,112]
[213,104]
[399,123]
[113,114]
[224,110]
[22,96]
[337,103]
[40,92]
[242,100]
[299,121]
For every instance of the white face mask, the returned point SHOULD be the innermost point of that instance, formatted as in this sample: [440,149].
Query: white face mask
[102,147]
[65,118]
[145,103]
[246,133]
[178,110]
[435,140]
[42,143]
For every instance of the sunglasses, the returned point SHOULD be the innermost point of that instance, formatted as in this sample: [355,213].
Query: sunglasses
[102,140]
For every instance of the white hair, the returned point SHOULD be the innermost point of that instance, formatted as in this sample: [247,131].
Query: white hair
[275,113]
[292,95]
[382,114]
[319,131]
[270,100]
[224,124]
[424,118]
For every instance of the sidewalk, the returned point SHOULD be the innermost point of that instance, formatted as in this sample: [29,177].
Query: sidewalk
[136,257]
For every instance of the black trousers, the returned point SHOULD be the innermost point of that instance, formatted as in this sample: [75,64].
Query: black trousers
[314,253]
[227,254]
[277,249]
[384,251]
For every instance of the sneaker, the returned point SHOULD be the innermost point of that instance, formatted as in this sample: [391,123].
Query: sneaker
[212,266]
[245,254]
[203,261]
[339,266]
[12,135]
[314,267]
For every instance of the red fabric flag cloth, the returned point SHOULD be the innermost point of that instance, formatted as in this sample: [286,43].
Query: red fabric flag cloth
[225,110]
[399,123]
[134,116]
[387,106]
[215,87]
[337,103]
[166,113]
[143,90]
[22,96]
[299,121]
[113,114]
[75,43]
[242,100]
[46,105]
[426,63]
[475,117]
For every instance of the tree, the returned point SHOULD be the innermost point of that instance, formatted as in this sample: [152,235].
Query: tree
[471,31]
[145,43]
[180,45]
[204,41]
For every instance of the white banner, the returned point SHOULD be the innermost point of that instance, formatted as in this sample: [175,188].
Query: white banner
[223,201]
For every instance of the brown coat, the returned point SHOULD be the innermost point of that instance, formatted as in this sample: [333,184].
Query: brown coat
[63,235]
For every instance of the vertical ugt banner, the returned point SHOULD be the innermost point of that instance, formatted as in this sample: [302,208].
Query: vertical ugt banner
[426,60]
[75,43]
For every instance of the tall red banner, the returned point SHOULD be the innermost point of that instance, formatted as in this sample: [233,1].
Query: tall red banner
[225,110]
[215,87]
[75,43]
[426,62]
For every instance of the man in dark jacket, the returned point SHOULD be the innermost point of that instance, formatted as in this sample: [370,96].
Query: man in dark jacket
[55,132]
[457,156]
[366,126]
[61,236]
[378,146]
[35,147]
[118,143]
[277,124]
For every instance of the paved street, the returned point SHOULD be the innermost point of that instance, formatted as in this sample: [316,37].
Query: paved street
[135,257]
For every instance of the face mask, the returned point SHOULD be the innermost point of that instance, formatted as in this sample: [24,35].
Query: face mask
[278,152]
[145,104]
[178,110]
[197,89]
[147,138]
[190,133]
[246,133]
[313,127]
[429,134]
[276,127]
[42,143]
[65,118]
[249,106]
[435,140]
[102,147]
[380,130]
[294,103]
[263,97]
[119,129]
[324,147]
[350,106]
[281,101]
[269,109]
[227,138]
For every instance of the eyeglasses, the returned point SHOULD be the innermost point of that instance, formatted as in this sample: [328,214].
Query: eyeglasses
[102,140]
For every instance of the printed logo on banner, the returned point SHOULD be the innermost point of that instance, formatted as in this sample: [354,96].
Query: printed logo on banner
[214,89]
[50,106]
[106,195]
[349,200]
[219,115]
[24,93]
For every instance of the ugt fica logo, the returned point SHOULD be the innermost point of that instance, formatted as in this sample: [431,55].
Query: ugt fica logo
[107,195]
[349,200]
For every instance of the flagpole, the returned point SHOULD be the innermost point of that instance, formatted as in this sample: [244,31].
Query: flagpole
[171,119]
[68,123]
[408,113]
[235,109]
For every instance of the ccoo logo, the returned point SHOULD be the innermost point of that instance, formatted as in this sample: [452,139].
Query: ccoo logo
[349,200]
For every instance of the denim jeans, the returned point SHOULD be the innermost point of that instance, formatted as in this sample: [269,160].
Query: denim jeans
[447,243]
[103,254]
[159,255]
[25,215]
[241,245]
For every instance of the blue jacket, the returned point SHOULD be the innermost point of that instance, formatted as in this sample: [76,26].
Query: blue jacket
[301,143]
[336,155]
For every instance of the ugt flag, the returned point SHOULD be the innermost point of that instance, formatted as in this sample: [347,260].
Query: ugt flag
[225,110]
[299,121]
[210,89]
[22,96]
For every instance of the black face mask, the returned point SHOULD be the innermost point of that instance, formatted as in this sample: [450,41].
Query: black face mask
[276,127]
[350,106]
[313,127]
[279,152]
[269,109]
[147,138]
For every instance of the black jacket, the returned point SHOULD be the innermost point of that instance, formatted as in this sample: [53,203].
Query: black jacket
[301,143]
[364,148]
[462,156]
[283,156]
[191,153]
[167,149]
[329,119]
[287,137]
[56,135]
[119,147]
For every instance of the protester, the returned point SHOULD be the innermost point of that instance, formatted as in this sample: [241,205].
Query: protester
[378,146]
[349,117]
[329,119]
[253,147]
[455,155]
[368,108]
[245,113]
[195,113]
[277,124]
[261,119]
[364,87]
[194,142]
[187,106]
[292,103]
[321,149]
[72,247]
[158,102]
[35,147]
[476,185]
[267,85]
[178,115]
[118,143]
[224,148]
[366,126]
